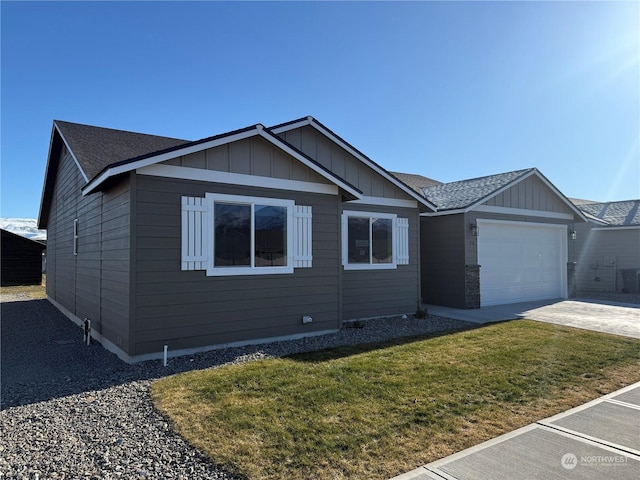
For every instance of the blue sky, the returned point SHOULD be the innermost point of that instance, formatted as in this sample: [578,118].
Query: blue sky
[449,90]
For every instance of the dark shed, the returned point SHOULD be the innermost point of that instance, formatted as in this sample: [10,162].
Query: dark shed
[21,260]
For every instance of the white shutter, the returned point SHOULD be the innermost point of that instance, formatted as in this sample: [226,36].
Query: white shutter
[194,233]
[402,240]
[302,241]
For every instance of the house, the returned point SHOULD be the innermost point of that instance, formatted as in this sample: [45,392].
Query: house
[497,239]
[608,247]
[251,235]
[21,260]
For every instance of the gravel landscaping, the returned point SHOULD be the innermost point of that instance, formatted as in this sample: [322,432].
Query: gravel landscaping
[75,411]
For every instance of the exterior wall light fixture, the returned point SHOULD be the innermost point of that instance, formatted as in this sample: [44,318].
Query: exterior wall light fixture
[474,229]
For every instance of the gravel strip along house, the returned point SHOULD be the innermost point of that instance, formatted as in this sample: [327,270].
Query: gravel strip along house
[255,234]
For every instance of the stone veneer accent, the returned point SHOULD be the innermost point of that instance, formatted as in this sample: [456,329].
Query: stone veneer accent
[472,286]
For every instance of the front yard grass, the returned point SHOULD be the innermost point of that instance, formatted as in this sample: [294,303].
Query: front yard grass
[375,411]
[28,292]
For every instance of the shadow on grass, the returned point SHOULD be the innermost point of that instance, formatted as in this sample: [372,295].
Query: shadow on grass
[348,351]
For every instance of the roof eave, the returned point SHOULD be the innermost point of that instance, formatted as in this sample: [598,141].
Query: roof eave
[301,122]
[210,142]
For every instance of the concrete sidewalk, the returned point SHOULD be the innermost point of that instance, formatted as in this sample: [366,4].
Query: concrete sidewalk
[607,317]
[600,439]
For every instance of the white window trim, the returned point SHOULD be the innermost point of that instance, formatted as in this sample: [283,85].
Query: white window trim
[345,241]
[75,236]
[212,270]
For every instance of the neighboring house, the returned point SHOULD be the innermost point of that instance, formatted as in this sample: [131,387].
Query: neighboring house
[608,247]
[498,239]
[22,260]
[259,233]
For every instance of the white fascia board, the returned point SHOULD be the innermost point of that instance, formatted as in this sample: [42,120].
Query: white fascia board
[287,149]
[373,166]
[444,212]
[301,123]
[621,227]
[84,175]
[499,191]
[385,202]
[215,176]
[523,212]
[110,172]
[358,155]
[535,172]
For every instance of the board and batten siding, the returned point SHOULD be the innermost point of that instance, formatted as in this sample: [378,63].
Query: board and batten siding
[94,283]
[443,260]
[531,194]
[333,157]
[188,309]
[601,253]
[250,156]
[375,293]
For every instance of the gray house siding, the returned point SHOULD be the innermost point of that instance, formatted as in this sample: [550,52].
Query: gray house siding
[94,283]
[374,293]
[188,309]
[341,162]
[601,253]
[442,260]
[532,194]
[251,156]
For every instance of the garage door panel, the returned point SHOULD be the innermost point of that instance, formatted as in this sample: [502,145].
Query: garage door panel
[520,262]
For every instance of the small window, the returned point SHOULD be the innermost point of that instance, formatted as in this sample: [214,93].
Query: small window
[75,236]
[368,240]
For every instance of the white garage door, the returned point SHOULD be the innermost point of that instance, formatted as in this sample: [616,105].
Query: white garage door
[521,261]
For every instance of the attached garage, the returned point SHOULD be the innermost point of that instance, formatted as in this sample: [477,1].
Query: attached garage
[504,238]
[521,261]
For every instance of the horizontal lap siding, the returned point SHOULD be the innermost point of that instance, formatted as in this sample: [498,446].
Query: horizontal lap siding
[94,283]
[115,264]
[187,309]
[600,256]
[375,293]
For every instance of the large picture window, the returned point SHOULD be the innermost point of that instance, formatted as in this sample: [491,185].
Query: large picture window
[237,235]
[368,240]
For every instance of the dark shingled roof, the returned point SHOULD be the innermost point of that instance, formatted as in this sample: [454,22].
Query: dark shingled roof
[462,194]
[95,148]
[416,182]
[621,214]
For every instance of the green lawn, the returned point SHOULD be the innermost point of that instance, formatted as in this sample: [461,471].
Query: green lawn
[375,411]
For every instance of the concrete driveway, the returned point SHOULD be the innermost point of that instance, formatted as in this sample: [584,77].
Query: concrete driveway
[598,315]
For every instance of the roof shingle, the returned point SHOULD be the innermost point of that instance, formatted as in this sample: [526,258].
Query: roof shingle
[95,148]
[621,214]
[464,193]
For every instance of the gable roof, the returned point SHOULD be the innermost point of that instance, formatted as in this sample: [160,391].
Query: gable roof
[94,148]
[417,182]
[10,236]
[466,195]
[301,122]
[621,214]
[151,158]
[101,153]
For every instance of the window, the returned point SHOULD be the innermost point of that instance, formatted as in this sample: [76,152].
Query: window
[248,235]
[373,240]
[75,236]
